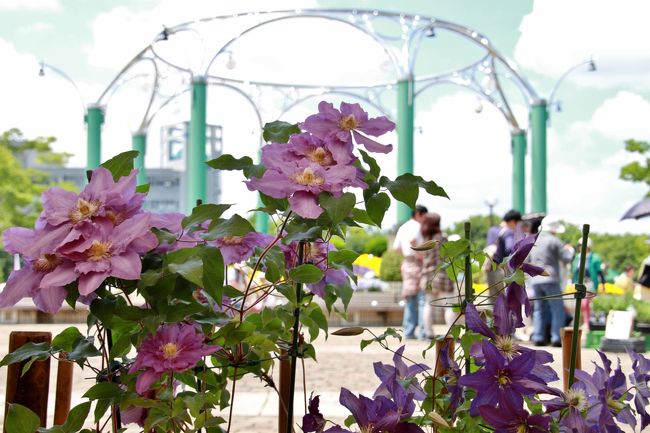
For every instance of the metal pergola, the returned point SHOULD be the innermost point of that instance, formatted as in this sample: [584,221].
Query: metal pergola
[401,46]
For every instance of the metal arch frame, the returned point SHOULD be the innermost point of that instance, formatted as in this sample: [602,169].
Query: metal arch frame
[402,47]
[358,96]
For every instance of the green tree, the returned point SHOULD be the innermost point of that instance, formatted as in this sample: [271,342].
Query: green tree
[637,171]
[21,187]
[480,227]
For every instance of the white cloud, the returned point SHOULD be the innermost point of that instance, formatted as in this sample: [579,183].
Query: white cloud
[40,106]
[623,116]
[584,164]
[47,5]
[119,33]
[37,27]
[558,34]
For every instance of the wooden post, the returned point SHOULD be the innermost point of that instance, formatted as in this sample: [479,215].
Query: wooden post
[567,337]
[440,345]
[285,384]
[63,390]
[30,389]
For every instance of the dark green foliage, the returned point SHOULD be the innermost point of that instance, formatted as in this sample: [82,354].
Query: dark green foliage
[390,266]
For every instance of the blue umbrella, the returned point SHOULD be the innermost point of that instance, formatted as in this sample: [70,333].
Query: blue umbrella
[639,210]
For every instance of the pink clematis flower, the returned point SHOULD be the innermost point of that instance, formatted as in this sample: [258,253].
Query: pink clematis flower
[347,123]
[235,249]
[102,250]
[306,146]
[102,197]
[173,348]
[302,181]
[34,278]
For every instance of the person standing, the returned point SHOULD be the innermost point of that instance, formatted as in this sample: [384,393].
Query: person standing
[411,268]
[549,253]
[593,277]
[502,248]
[434,282]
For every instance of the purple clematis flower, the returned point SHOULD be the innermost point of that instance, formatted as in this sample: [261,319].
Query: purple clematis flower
[380,415]
[500,379]
[102,197]
[173,348]
[516,298]
[347,123]
[404,375]
[236,249]
[313,420]
[453,374]
[521,249]
[503,340]
[103,250]
[570,407]
[607,396]
[509,418]
[305,146]
[640,378]
[302,181]
[33,280]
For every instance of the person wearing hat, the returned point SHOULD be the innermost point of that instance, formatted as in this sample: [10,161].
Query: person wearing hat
[593,277]
[551,254]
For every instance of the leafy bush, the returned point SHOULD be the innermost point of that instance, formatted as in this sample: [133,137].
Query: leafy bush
[642,312]
[391,262]
[377,244]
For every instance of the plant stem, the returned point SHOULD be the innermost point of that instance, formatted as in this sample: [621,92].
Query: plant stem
[469,291]
[580,294]
[294,343]
[232,397]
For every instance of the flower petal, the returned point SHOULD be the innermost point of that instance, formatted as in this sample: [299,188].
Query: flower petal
[126,266]
[305,204]
[372,145]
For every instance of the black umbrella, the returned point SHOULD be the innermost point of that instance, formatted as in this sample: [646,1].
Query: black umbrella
[639,210]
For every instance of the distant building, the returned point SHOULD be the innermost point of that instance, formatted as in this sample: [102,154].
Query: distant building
[166,184]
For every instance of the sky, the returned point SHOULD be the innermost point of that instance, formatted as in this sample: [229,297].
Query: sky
[463,148]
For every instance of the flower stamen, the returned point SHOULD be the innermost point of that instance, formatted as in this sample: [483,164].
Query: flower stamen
[84,210]
[348,123]
[170,350]
[99,250]
[46,263]
[320,156]
[308,177]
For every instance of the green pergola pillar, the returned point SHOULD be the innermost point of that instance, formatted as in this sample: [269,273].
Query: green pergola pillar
[94,119]
[139,143]
[538,120]
[519,170]
[195,168]
[261,219]
[405,124]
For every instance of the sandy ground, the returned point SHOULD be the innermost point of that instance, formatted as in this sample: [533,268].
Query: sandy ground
[340,363]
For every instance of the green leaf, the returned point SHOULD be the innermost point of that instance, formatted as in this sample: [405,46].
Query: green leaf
[372,163]
[26,351]
[452,249]
[213,273]
[21,419]
[202,213]
[298,231]
[404,188]
[338,208]
[361,216]
[306,273]
[103,391]
[103,309]
[344,258]
[376,206]
[67,339]
[83,349]
[122,164]
[279,131]
[235,226]
[144,188]
[76,418]
[229,162]
[188,263]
